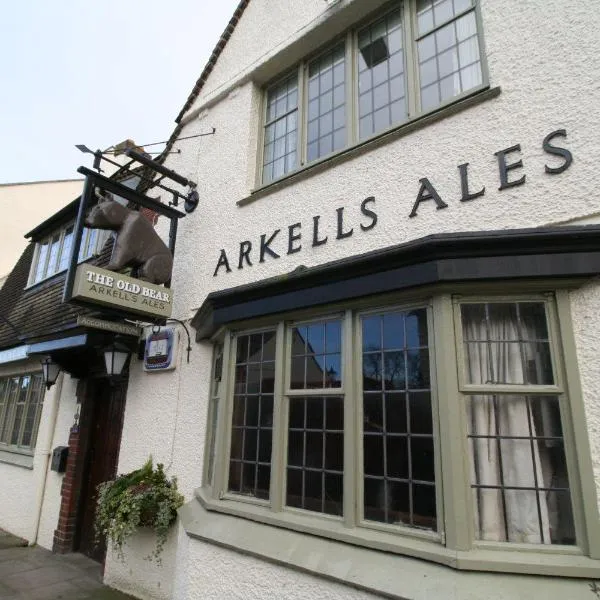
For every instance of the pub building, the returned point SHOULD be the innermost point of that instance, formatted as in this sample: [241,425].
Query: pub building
[391,281]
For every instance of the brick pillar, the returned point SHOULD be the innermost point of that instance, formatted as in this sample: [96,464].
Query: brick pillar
[64,535]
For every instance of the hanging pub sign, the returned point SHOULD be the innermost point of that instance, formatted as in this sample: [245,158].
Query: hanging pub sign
[101,286]
[138,250]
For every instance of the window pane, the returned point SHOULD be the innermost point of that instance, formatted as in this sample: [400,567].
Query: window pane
[279,156]
[316,360]
[12,389]
[380,59]
[65,253]
[40,269]
[325,72]
[315,457]
[506,343]
[449,60]
[252,418]
[53,258]
[518,470]
[34,407]
[398,456]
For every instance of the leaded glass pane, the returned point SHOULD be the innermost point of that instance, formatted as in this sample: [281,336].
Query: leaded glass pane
[326,122]
[381,61]
[252,419]
[449,59]
[518,470]
[281,129]
[316,359]
[506,343]
[315,457]
[398,451]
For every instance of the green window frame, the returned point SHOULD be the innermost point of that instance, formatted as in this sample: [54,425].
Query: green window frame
[21,402]
[430,505]
[415,57]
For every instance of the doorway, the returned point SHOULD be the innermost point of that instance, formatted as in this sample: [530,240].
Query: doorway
[102,418]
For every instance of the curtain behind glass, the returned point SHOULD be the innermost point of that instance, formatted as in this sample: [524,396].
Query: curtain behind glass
[518,469]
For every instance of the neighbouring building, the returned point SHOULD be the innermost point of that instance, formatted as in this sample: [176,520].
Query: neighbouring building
[27,204]
[392,283]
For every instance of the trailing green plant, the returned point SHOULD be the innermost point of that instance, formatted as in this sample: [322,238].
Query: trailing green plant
[142,498]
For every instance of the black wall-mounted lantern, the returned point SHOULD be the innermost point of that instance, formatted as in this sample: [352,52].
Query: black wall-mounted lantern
[50,371]
[115,357]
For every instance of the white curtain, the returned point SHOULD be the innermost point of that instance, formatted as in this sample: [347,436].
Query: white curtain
[504,514]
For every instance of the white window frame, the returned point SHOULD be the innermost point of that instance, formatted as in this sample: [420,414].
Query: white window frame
[454,543]
[408,9]
[86,252]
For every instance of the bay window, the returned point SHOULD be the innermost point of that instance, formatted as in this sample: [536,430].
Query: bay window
[380,417]
[407,61]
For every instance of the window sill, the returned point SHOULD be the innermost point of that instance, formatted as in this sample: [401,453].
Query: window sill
[16,457]
[371,143]
[372,560]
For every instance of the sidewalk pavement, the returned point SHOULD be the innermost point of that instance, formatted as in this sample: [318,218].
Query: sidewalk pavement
[32,573]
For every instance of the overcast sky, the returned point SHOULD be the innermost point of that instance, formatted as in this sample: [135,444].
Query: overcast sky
[95,73]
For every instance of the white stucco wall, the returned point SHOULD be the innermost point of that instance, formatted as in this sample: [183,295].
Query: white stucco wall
[540,53]
[65,419]
[21,487]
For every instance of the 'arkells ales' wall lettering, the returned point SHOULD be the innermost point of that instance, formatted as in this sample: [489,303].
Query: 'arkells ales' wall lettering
[509,175]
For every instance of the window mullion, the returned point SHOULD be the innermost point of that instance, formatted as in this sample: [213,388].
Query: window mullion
[351,88]
[280,419]
[302,114]
[224,418]
[409,17]
[350,423]
[453,445]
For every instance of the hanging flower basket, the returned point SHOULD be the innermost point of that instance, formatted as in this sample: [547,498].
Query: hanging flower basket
[142,498]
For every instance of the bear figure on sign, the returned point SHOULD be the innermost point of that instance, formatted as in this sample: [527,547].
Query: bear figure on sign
[137,244]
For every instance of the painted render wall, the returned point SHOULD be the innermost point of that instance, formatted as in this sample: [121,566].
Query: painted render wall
[538,53]
[29,204]
[21,487]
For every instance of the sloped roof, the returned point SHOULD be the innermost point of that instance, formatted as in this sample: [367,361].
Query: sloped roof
[241,7]
[225,36]
[37,312]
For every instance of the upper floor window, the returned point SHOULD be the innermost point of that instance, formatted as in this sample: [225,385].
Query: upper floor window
[410,60]
[53,253]
[21,399]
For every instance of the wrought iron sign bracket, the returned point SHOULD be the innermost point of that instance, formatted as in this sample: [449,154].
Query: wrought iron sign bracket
[95,180]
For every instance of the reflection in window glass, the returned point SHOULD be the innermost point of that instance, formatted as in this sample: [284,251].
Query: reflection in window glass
[316,454]
[281,130]
[326,114]
[398,454]
[316,356]
[381,82]
[252,418]
[449,60]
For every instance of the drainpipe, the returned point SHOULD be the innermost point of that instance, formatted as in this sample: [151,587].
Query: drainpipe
[39,500]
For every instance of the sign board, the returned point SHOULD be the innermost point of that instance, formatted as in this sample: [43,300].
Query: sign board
[100,286]
[161,350]
[123,328]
